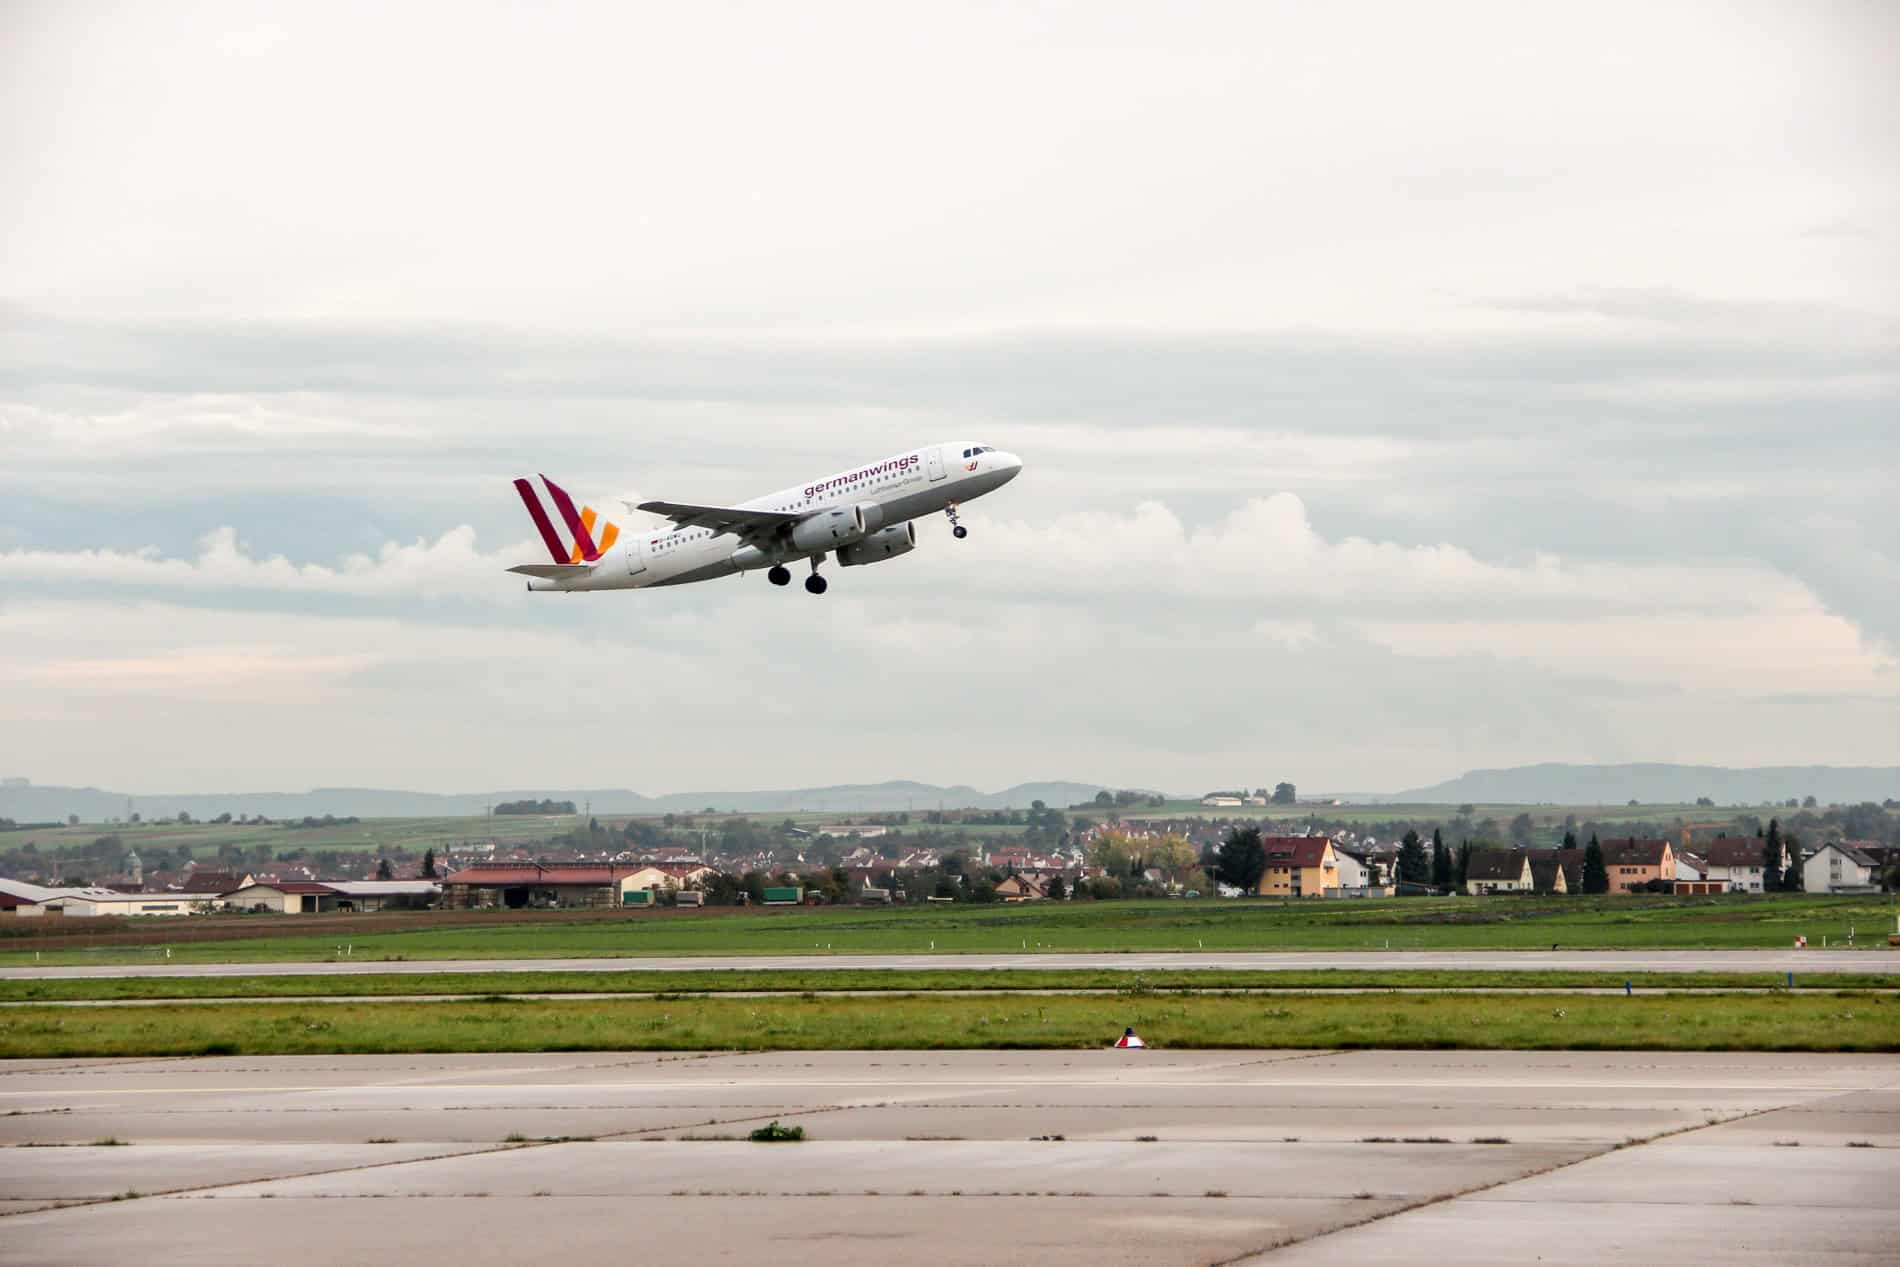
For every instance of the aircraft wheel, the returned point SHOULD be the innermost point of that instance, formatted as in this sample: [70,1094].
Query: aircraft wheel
[815,584]
[779,576]
[959,532]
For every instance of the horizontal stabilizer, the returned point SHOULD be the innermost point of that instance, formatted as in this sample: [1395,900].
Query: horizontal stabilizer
[553,571]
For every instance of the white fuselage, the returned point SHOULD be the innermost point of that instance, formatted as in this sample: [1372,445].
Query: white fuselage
[906,486]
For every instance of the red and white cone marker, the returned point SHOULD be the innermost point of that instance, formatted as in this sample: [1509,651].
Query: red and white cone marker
[1129,1039]
[1800,943]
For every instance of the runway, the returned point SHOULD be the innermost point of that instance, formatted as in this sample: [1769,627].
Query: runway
[1776,961]
[1145,1158]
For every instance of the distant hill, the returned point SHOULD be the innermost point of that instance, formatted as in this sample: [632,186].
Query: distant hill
[1558,784]
[29,803]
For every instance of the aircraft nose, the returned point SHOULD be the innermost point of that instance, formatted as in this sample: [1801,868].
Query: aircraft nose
[1010,465]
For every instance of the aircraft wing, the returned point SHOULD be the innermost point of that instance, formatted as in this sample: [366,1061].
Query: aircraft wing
[723,518]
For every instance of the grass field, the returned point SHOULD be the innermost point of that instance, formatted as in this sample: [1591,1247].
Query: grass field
[1843,1021]
[834,981]
[370,836]
[1438,923]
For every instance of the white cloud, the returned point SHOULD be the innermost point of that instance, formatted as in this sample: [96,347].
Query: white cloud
[449,565]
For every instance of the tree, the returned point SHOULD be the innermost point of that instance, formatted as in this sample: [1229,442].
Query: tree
[1441,862]
[1104,797]
[1570,840]
[428,864]
[1791,879]
[1284,794]
[1413,868]
[1771,855]
[384,871]
[1242,859]
[1461,866]
[1596,877]
[1705,802]
[1173,854]
[72,820]
[1808,802]
[1055,889]
[1112,851]
[1521,828]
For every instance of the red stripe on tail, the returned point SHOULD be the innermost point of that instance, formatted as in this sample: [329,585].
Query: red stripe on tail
[565,504]
[540,518]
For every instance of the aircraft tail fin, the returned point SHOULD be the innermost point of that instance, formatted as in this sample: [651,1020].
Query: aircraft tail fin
[580,525]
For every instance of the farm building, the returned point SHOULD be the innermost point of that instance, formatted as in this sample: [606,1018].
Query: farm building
[544,887]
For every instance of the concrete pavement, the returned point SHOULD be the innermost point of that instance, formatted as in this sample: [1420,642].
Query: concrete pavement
[1152,1157]
[1777,961]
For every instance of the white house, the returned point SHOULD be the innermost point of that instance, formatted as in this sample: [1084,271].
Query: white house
[1352,868]
[1498,871]
[1738,861]
[1839,867]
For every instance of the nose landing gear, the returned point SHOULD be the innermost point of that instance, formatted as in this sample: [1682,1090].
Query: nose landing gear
[957,530]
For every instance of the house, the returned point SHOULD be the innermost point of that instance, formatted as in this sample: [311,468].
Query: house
[1498,871]
[1691,866]
[1019,888]
[1632,864]
[1736,861]
[667,875]
[1548,873]
[1839,867]
[1222,802]
[1299,866]
[199,881]
[1354,871]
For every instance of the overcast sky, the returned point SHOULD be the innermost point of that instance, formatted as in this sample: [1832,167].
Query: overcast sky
[1403,388]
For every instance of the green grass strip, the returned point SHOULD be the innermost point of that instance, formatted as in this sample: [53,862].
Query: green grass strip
[1842,1021]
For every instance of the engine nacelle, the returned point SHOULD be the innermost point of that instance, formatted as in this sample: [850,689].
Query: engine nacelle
[879,546]
[836,528]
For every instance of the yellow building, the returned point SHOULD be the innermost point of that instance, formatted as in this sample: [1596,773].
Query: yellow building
[1299,866]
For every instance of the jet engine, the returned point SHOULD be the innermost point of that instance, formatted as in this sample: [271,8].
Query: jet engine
[836,528]
[879,546]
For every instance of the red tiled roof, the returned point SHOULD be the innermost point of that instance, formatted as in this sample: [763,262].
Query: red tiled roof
[1495,864]
[1633,853]
[531,874]
[1736,851]
[1295,851]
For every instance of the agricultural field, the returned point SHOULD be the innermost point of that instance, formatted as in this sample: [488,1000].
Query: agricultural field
[1501,923]
[1832,1021]
[370,836]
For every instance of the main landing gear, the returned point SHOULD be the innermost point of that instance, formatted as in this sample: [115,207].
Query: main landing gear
[779,574]
[957,530]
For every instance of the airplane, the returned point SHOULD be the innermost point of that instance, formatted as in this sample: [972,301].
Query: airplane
[863,515]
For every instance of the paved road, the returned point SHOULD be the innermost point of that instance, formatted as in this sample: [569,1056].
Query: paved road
[1072,1159]
[1878,960]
